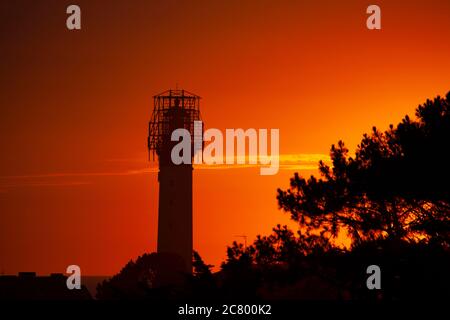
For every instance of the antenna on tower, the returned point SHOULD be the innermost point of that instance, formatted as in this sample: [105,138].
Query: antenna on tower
[245,239]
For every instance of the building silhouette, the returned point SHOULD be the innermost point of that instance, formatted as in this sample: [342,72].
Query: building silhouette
[29,286]
[174,109]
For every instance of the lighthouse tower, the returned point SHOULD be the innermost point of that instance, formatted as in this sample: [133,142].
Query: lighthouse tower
[174,109]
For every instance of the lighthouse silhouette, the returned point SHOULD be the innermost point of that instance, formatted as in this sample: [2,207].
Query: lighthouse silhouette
[174,109]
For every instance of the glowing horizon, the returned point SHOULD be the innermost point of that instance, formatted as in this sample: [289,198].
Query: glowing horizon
[75,183]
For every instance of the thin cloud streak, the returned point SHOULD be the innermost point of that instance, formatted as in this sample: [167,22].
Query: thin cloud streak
[290,162]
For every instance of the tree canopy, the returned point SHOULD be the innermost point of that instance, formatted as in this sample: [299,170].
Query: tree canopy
[394,186]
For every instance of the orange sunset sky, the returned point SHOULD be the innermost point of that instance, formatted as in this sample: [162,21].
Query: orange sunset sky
[75,183]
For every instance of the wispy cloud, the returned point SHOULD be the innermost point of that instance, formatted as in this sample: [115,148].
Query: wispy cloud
[81,174]
[61,179]
[302,161]
[291,162]
[286,161]
[42,184]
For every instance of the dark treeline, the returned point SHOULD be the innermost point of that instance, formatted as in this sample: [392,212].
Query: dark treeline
[391,199]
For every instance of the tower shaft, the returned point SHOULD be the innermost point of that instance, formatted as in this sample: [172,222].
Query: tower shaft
[175,211]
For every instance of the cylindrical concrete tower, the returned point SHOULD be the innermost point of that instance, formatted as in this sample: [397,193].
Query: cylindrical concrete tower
[174,109]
